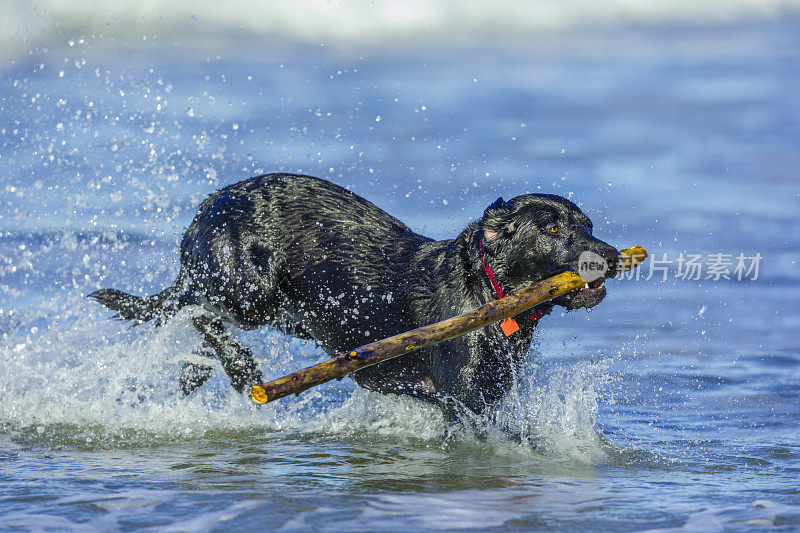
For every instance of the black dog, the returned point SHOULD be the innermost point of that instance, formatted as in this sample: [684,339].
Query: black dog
[319,262]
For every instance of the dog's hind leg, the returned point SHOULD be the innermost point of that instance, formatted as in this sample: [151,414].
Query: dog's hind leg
[193,375]
[236,359]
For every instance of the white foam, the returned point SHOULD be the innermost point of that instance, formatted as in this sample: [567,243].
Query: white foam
[84,379]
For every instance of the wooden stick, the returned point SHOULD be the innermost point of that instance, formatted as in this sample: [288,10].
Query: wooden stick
[384,349]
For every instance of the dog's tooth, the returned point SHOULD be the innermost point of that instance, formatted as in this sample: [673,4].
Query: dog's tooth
[585,285]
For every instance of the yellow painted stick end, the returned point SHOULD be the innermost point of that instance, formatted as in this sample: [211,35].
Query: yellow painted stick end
[258,394]
[636,251]
[632,257]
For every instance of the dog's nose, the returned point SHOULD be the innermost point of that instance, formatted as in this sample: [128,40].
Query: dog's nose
[612,256]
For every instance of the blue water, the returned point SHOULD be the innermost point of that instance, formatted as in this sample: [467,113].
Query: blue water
[674,404]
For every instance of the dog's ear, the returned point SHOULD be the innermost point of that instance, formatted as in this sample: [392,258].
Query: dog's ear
[496,204]
[496,219]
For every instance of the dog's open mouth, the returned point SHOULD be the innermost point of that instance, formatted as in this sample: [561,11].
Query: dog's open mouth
[589,295]
[596,284]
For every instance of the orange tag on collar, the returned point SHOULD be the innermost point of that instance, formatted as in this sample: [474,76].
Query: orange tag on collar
[509,326]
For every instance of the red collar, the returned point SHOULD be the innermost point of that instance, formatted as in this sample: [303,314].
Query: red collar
[509,325]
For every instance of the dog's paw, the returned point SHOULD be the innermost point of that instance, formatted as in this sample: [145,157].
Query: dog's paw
[194,375]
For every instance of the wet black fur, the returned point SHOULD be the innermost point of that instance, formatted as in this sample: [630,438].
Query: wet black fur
[315,260]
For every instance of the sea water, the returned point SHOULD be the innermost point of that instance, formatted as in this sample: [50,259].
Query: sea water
[674,404]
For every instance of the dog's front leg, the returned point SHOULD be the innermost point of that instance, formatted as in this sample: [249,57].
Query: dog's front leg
[462,422]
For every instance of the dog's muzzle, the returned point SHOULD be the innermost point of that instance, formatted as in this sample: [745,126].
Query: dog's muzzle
[589,296]
[593,268]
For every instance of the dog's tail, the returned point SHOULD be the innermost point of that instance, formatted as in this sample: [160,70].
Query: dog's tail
[160,306]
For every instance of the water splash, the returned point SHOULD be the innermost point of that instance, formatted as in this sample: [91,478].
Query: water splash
[81,379]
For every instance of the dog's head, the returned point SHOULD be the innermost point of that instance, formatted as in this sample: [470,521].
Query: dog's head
[535,236]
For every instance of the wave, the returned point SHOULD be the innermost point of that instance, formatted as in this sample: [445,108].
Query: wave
[355,23]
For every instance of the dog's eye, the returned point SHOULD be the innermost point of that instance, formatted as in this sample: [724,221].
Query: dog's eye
[554,230]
